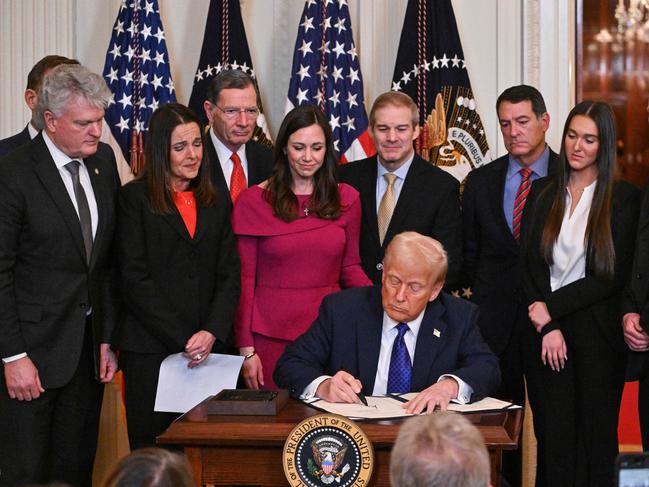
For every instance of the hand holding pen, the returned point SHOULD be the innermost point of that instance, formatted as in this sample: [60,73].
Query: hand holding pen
[342,387]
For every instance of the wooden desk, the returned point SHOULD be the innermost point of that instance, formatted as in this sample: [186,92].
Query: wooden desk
[247,450]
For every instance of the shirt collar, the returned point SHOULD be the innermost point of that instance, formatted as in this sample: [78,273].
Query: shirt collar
[401,173]
[414,325]
[539,167]
[60,157]
[222,151]
[32,130]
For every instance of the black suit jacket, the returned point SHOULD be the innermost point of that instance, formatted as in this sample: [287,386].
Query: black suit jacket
[600,295]
[491,263]
[636,296]
[347,335]
[174,285]
[15,141]
[428,204]
[46,286]
[260,165]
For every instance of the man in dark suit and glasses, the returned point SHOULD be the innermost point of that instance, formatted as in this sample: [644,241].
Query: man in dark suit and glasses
[492,206]
[57,216]
[232,109]
[400,191]
[34,82]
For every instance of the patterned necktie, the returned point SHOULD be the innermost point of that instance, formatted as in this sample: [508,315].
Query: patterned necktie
[82,205]
[386,207]
[400,371]
[238,178]
[519,203]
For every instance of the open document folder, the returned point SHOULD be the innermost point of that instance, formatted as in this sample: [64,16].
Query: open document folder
[387,407]
[181,388]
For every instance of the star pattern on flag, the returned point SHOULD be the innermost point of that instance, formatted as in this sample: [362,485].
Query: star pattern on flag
[434,63]
[136,70]
[326,72]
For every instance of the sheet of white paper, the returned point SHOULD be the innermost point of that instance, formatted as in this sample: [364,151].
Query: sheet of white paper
[383,407]
[181,388]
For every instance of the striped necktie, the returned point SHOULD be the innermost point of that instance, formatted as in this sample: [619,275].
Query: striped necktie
[519,203]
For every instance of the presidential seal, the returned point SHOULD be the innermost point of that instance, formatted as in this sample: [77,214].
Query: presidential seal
[328,450]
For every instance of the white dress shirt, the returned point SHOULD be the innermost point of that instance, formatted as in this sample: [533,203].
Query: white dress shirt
[224,158]
[569,253]
[388,334]
[382,184]
[60,160]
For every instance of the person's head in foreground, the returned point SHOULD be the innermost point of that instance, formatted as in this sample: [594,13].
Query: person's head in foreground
[439,450]
[151,467]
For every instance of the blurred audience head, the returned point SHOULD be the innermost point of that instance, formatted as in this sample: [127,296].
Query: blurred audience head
[151,467]
[439,450]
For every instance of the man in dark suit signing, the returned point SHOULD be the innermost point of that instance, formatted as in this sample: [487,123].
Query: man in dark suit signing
[232,109]
[406,336]
[57,216]
[492,206]
[400,191]
[34,82]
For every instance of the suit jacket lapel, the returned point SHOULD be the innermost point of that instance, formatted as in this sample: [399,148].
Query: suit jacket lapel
[176,222]
[497,198]
[218,178]
[253,169]
[367,191]
[201,218]
[369,329]
[102,197]
[431,337]
[49,175]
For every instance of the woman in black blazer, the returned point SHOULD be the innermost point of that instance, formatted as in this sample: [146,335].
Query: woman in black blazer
[577,249]
[179,266]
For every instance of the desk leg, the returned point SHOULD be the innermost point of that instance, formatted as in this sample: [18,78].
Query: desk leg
[495,459]
[196,461]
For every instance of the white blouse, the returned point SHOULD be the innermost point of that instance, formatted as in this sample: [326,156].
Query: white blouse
[569,253]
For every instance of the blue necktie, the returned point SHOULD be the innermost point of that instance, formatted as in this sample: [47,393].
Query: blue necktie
[400,366]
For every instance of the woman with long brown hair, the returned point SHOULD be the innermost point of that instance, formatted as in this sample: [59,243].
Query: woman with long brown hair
[297,235]
[179,266]
[578,237]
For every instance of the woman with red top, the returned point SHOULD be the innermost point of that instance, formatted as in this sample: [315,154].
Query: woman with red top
[179,266]
[297,236]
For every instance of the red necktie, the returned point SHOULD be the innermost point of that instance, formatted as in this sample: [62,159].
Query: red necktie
[519,203]
[238,178]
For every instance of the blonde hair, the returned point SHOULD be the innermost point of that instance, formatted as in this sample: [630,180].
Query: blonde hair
[418,247]
[439,450]
[398,99]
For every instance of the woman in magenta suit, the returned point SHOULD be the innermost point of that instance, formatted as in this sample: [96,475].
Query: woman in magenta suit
[297,236]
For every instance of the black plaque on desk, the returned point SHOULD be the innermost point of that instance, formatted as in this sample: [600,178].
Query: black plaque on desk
[246,402]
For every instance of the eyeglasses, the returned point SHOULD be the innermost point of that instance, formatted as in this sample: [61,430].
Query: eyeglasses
[251,112]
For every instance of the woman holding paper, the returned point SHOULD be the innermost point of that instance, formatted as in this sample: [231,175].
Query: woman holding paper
[578,237]
[179,266]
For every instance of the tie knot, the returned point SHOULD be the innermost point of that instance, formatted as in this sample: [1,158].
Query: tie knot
[235,158]
[73,167]
[390,178]
[525,173]
[402,328]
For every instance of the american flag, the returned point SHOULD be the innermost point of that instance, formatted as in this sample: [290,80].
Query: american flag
[137,72]
[430,67]
[326,72]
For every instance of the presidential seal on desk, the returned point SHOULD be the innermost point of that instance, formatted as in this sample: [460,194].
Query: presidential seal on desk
[328,449]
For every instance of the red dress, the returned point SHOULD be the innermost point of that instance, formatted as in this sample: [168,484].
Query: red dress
[287,268]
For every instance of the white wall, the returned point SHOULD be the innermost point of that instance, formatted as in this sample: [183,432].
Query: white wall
[501,40]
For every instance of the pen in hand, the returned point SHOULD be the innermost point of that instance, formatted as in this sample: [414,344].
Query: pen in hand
[360,395]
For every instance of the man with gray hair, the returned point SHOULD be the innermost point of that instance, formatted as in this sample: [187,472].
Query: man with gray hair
[232,108]
[405,336]
[57,215]
[442,450]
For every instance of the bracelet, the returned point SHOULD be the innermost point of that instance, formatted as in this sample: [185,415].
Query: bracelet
[250,355]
